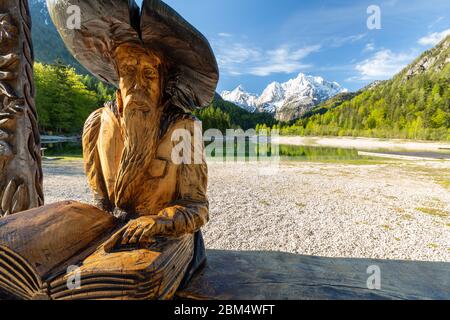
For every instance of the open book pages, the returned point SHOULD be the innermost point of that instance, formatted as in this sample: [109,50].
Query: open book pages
[38,247]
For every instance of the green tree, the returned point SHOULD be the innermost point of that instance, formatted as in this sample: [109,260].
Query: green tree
[62,98]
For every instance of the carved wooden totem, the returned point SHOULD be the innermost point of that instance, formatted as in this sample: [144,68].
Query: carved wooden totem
[20,158]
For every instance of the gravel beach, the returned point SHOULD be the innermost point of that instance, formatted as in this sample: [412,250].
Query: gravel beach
[392,210]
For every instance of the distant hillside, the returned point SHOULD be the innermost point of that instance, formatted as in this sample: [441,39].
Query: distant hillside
[224,115]
[415,104]
[330,104]
[48,46]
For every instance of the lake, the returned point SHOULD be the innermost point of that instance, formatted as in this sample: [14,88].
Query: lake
[287,152]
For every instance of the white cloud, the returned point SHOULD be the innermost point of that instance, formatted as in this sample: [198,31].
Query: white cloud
[236,58]
[382,65]
[434,38]
[283,60]
[233,56]
[225,35]
[436,22]
[341,41]
[369,47]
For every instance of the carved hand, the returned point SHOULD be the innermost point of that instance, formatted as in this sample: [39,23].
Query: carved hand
[140,231]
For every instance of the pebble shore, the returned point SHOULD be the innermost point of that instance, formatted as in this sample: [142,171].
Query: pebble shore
[386,211]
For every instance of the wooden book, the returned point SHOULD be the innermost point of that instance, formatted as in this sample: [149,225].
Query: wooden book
[38,246]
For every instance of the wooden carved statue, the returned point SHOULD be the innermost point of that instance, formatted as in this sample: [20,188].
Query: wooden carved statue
[20,158]
[142,240]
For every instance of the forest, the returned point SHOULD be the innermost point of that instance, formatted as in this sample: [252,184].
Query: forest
[65,99]
[407,107]
[414,104]
[412,108]
[415,109]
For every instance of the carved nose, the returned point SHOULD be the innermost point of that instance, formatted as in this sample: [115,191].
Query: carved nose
[138,83]
[141,82]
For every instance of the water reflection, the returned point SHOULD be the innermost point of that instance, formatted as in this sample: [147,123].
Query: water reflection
[252,150]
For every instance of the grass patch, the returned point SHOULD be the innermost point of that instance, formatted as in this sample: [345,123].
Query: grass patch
[356,162]
[434,212]
[264,203]
[443,182]
[433,246]
[439,176]
[399,210]
[407,217]
[387,227]
[391,197]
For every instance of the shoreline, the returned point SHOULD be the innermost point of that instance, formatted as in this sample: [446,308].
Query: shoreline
[362,143]
[59,139]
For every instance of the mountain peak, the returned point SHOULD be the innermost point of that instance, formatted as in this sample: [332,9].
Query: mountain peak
[241,97]
[301,93]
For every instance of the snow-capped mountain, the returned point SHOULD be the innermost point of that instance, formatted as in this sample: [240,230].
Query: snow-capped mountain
[287,100]
[241,98]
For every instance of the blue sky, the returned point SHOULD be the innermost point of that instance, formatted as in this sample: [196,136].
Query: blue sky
[257,42]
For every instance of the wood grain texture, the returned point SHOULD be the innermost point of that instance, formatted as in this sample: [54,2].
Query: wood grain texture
[193,67]
[92,161]
[38,246]
[282,276]
[105,25]
[141,274]
[128,148]
[110,146]
[128,153]
[20,157]
[50,236]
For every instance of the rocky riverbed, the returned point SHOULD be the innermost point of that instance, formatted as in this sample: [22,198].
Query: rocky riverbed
[387,210]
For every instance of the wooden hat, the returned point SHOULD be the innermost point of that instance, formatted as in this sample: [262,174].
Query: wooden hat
[106,24]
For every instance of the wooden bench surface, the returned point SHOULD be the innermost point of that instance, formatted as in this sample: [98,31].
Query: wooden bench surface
[282,276]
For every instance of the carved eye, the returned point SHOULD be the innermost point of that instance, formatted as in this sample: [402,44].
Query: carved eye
[149,74]
[130,70]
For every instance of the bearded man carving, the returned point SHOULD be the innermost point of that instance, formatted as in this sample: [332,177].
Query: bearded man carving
[163,69]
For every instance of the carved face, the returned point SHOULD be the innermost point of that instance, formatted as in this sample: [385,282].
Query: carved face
[140,78]
[8,33]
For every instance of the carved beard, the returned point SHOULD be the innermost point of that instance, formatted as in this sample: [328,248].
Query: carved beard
[141,127]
